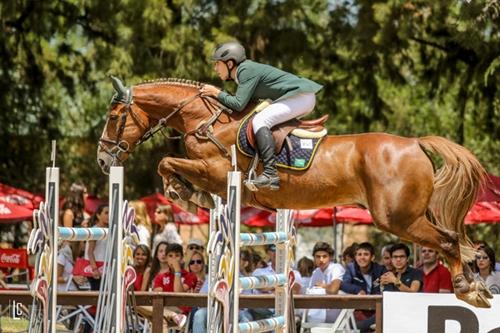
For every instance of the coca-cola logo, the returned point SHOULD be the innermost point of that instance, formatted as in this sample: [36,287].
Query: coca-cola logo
[88,269]
[4,210]
[10,258]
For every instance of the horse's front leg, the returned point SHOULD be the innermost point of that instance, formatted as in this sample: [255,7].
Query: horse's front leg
[194,171]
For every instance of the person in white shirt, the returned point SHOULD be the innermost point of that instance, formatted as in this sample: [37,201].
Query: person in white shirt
[142,222]
[327,275]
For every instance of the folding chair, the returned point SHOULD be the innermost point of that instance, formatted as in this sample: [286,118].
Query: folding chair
[344,321]
[80,312]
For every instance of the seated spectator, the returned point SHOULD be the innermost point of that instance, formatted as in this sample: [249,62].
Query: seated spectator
[142,259]
[305,266]
[175,278]
[258,314]
[199,316]
[194,244]
[349,254]
[327,275]
[485,269]
[385,256]
[404,277]
[66,258]
[257,261]
[437,278]
[246,263]
[362,277]
[166,231]
[164,282]
[142,222]
[195,263]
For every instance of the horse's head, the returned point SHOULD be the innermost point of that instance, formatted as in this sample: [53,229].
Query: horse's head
[125,126]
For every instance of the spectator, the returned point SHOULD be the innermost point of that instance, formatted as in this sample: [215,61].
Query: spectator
[194,244]
[175,278]
[404,277]
[327,275]
[195,263]
[167,231]
[349,254]
[386,259]
[95,251]
[305,266]
[66,258]
[142,221]
[270,269]
[159,266]
[199,315]
[257,261]
[142,260]
[485,269]
[362,277]
[246,263]
[73,210]
[437,278]
[159,263]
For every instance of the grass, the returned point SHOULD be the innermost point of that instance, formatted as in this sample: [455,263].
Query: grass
[9,325]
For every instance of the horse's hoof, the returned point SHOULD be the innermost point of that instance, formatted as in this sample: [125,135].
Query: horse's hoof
[477,296]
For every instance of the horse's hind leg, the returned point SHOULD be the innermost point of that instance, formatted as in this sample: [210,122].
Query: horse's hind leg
[446,242]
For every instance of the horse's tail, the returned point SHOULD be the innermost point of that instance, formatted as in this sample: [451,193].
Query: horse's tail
[456,184]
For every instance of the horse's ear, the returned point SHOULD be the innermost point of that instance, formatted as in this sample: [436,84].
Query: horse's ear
[119,87]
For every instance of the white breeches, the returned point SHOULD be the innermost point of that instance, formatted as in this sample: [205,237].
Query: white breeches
[284,110]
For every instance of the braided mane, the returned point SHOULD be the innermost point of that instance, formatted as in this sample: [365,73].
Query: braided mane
[173,81]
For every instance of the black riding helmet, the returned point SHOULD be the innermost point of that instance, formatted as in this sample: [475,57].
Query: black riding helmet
[230,51]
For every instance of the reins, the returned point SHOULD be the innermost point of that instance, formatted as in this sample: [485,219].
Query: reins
[204,131]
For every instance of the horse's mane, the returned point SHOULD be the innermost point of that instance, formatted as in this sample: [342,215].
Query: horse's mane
[173,81]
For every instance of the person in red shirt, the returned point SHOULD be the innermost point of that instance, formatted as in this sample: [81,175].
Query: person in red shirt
[175,279]
[437,278]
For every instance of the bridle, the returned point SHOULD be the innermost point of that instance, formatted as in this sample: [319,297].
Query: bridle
[119,146]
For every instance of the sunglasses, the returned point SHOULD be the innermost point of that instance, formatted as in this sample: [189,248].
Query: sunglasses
[199,262]
[195,247]
[482,257]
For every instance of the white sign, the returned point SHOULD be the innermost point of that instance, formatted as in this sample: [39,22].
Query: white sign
[437,313]
[306,144]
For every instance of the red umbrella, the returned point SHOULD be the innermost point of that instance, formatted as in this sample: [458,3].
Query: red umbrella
[310,217]
[92,203]
[19,197]
[482,212]
[490,190]
[180,215]
[13,213]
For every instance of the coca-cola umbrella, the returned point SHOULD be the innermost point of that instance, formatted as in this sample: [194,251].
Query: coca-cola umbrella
[92,203]
[180,215]
[10,212]
[19,197]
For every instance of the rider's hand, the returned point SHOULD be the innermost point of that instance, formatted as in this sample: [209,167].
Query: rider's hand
[209,90]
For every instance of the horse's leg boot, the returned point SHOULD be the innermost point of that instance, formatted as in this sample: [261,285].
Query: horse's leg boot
[265,144]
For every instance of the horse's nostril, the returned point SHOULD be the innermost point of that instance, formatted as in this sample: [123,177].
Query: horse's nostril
[101,162]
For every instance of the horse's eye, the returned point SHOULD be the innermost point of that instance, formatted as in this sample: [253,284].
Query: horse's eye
[113,116]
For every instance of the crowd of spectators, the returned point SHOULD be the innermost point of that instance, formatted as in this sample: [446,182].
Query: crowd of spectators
[164,263]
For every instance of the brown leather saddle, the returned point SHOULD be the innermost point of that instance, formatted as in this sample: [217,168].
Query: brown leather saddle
[281,131]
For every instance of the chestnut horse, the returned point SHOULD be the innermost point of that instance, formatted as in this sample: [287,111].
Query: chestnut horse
[392,176]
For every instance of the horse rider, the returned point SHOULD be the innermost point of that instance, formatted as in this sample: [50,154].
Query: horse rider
[292,97]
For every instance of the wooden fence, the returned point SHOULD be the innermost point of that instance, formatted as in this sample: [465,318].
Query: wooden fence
[160,299]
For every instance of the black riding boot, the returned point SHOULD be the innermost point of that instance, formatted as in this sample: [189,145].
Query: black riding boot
[265,144]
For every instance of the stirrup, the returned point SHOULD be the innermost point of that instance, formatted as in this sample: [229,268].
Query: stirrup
[273,184]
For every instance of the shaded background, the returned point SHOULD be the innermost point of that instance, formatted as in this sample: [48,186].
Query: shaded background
[411,68]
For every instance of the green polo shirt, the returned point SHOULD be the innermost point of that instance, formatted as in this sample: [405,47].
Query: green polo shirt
[260,81]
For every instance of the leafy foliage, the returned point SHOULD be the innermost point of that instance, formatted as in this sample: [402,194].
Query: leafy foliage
[405,67]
